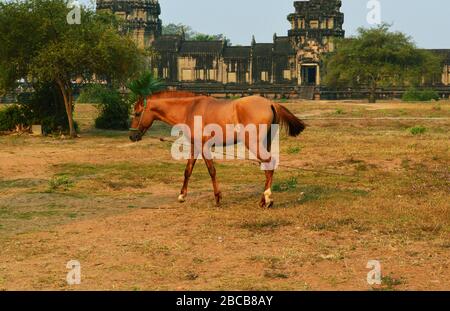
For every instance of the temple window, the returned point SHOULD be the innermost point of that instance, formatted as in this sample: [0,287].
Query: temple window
[302,24]
[121,15]
[330,23]
[264,76]
[314,24]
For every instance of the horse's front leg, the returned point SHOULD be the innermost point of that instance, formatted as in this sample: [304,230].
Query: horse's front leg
[187,175]
[212,173]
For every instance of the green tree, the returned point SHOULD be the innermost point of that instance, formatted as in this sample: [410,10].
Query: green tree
[205,37]
[178,29]
[377,57]
[190,34]
[38,44]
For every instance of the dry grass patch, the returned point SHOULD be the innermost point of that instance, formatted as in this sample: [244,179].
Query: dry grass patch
[352,191]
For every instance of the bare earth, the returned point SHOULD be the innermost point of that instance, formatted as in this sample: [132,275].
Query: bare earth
[356,186]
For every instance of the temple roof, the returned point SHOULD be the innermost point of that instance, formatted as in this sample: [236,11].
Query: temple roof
[202,47]
[263,49]
[444,53]
[167,43]
[282,45]
[317,7]
[237,52]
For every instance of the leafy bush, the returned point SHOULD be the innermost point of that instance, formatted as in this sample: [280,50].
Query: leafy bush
[413,95]
[145,85]
[45,106]
[92,94]
[114,111]
[418,130]
[11,117]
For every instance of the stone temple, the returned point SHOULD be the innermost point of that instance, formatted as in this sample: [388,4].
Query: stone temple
[289,64]
[141,18]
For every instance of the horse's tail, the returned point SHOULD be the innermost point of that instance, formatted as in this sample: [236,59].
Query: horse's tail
[288,120]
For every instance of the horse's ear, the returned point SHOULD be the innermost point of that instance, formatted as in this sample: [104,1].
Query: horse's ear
[139,103]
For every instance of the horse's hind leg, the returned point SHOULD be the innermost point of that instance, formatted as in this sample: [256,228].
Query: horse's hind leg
[266,200]
[212,173]
[268,164]
[187,175]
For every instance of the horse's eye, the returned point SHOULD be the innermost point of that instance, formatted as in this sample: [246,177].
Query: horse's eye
[137,114]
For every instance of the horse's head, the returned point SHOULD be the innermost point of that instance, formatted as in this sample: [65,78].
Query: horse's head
[140,122]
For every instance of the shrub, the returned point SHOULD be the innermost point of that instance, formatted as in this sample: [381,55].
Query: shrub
[114,111]
[11,117]
[420,95]
[282,100]
[45,106]
[92,94]
[417,130]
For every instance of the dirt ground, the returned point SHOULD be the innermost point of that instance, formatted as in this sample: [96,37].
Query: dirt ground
[356,186]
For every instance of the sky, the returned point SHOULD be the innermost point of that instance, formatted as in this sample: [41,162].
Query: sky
[428,22]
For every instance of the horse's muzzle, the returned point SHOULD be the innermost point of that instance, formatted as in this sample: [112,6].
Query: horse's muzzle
[135,136]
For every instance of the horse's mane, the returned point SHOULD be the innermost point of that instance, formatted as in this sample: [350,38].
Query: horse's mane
[172,94]
[168,95]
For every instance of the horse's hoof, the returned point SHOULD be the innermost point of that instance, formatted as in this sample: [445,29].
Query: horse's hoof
[218,199]
[266,200]
[182,198]
[262,203]
[266,205]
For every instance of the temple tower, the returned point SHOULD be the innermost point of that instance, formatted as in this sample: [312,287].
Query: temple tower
[314,25]
[141,18]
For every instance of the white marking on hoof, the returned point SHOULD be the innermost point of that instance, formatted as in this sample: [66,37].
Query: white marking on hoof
[181,198]
[268,197]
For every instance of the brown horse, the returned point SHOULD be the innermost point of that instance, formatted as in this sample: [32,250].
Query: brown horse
[174,108]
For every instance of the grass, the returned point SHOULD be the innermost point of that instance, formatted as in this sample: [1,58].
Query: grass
[389,283]
[418,130]
[275,275]
[20,183]
[294,150]
[265,225]
[284,186]
[62,183]
[340,111]
[339,224]
[364,189]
